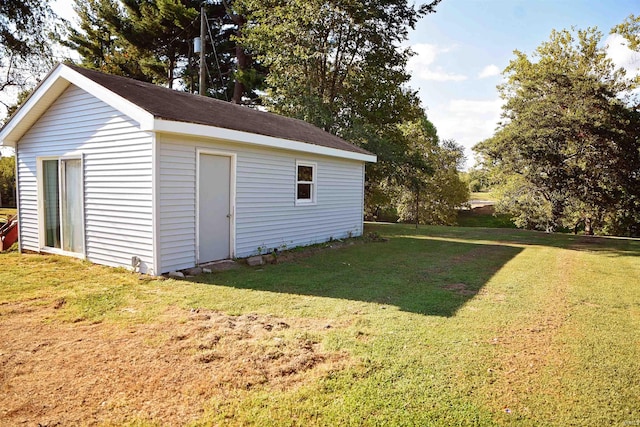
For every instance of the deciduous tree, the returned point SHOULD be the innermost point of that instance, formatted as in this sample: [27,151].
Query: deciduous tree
[26,33]
[431,194]
[7,181]
[568,150]
[630,29]
[340,66]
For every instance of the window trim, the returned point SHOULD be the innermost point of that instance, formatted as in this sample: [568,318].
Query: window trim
[41,207]
[314,183]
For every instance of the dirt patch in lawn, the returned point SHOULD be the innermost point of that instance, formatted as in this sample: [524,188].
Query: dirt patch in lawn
[487,209]
[165,372]
[307,251]
[460,289]
[531,353]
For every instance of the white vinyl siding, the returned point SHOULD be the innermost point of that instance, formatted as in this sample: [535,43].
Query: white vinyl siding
[266,213]
[177,206]
[117,172]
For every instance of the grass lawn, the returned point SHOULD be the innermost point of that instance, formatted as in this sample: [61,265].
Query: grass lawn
[483,195]
[4,212]
[483,216]
[482,213]
[436,326]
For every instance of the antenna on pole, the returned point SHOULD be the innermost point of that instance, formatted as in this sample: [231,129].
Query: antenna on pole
[203,44]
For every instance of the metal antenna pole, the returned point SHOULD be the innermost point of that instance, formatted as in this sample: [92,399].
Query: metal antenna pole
[203,44]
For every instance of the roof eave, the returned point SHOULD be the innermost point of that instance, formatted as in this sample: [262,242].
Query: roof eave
[51,87]
[59,79]
[39,101]
[208,131]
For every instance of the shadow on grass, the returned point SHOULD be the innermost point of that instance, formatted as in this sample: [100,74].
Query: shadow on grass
[483,216]
[415,274]
[606,245]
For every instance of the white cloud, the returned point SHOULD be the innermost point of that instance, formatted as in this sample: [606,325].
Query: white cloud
[425,54]
[421,65]
[466,121]
[6,151]
[64,9]
[489,71]
[467,106]
[438,75]
[619,52]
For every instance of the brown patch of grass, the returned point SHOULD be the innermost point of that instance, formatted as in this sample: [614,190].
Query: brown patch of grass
[69,374]
[530,352]
[459,288]
[304,252]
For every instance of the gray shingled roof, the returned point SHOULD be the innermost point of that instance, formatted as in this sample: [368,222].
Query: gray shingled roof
[177,106]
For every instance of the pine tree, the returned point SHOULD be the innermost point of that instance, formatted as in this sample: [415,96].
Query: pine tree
[152,40]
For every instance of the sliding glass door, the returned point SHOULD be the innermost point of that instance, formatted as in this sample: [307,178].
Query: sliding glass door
[71,205]
[51,194]
[62,204]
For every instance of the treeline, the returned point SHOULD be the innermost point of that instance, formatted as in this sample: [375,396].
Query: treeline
[567,155]
[7,182]
[339,65]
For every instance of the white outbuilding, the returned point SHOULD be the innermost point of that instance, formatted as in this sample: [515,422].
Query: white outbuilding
[126,173]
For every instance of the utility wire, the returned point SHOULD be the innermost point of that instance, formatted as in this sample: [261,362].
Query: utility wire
[183,30]
[215,54]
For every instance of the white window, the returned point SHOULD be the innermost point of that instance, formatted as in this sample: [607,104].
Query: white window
[305,183]
[61,211]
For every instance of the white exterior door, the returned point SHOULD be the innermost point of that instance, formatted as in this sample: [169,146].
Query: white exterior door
[214,207]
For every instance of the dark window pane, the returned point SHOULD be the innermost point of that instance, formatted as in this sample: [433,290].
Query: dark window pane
[305,173]
[51,203]
[304,191]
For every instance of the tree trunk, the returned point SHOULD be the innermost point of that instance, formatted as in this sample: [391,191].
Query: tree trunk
[241,56]
[170,76]
[417,207]
[588,229]
[243,64]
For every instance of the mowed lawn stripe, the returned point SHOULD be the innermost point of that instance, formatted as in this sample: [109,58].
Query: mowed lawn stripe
[435,326]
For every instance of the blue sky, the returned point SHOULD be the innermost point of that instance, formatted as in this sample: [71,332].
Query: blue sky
[463,47]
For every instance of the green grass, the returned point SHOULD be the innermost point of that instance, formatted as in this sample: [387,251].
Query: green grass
[5,212]
[483,217]
[483,195]
[444,325]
